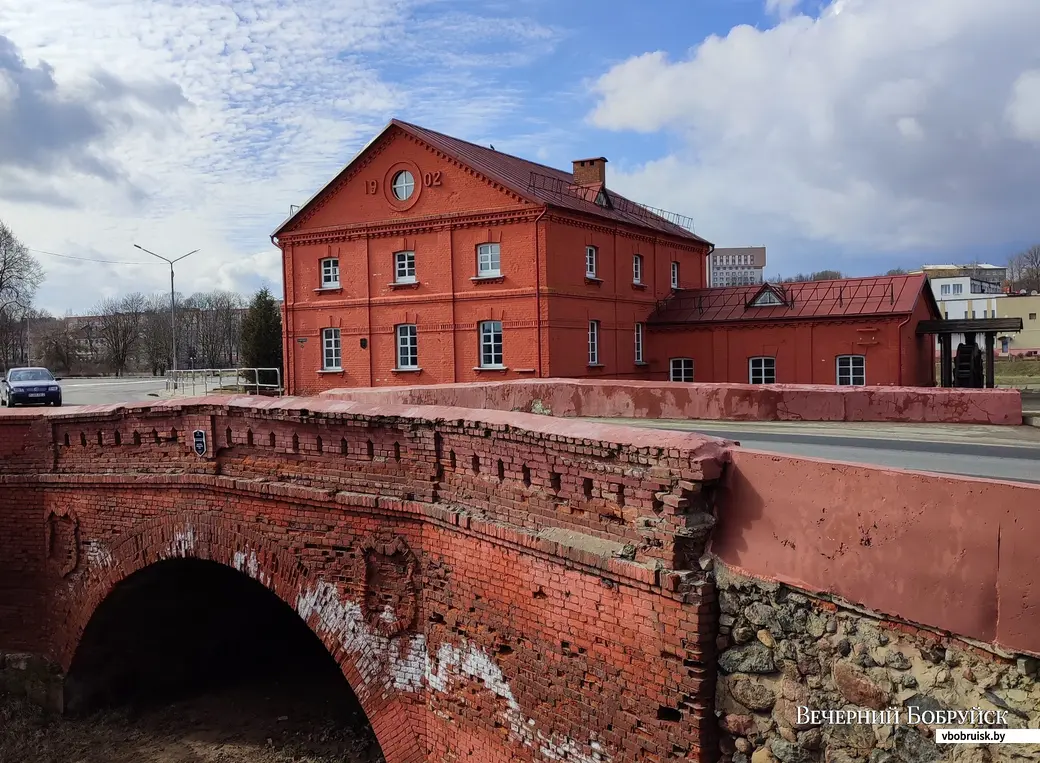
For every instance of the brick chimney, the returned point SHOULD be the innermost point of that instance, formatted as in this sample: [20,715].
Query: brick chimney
[590,171]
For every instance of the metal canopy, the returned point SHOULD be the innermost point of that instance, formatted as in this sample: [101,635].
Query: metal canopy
[969,326]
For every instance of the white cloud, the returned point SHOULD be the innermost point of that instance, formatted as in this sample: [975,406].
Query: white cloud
[878,125]
[279,95]
[782,8]
[1023,110]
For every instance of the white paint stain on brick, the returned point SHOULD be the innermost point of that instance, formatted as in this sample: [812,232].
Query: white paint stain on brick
[250,565]
[183,542]
[98,554]
[405,665]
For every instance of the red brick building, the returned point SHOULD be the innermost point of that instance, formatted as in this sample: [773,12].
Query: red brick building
[852,331]
[432,260]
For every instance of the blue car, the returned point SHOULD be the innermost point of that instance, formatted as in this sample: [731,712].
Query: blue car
[29,386]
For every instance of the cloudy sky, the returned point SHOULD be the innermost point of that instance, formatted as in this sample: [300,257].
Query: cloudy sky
[856,134]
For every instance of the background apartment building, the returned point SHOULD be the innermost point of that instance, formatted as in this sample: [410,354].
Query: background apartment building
[738,266]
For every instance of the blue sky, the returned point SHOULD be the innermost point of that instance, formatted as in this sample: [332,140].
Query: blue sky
[851,134]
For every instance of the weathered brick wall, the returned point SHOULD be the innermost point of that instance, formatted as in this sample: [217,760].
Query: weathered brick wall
[542,600]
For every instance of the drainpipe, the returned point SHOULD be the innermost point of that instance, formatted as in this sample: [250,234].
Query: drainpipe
[537,285]
[368,308]
[707,267]
[289,383]
[899,374]
[454,328]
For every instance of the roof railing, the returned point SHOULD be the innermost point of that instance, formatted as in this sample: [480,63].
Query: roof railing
[560,187]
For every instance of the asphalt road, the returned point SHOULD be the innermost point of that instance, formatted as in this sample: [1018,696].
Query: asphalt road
[109,390]
[1007,453]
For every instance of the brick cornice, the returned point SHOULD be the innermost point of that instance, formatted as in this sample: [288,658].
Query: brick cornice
[409,226]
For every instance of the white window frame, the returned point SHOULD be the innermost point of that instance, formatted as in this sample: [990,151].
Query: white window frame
[958,288]
[404,267]
[637,268]
[944,289]
[489,260]
[591,261]
[403,185]
[407,346]
[846,372]
[487,332]
[761,368]
[331,350]
[593,343]
[329,267]
[638,337]
[675,275]
[677,368]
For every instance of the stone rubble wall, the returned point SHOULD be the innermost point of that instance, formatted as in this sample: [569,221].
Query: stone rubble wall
[781,648]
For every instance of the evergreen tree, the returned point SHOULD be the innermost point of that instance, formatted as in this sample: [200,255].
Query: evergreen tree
[262,334]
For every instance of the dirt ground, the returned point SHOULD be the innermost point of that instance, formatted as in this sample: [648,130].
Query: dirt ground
[237,725]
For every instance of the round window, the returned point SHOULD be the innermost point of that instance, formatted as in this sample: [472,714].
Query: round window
[403,185]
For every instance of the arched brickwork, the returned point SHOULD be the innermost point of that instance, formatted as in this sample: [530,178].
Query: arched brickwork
[394,718]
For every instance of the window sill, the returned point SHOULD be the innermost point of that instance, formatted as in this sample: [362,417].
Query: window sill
[640,286]
[490,369]
[487,279]
[403,285]
[526,370]
[328,289]
[595,365]
[413,370]
[592,280]
[330,371]
[641,363]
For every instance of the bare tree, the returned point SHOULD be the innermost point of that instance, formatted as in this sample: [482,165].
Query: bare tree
[156,334]
[211,327]
[119,327]
[20,272]
[1024,270]
[60,345]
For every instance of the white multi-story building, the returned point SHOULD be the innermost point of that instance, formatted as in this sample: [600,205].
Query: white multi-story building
[964,297]
[739,266]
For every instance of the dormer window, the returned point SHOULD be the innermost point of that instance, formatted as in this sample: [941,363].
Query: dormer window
[766,298]
[603,200]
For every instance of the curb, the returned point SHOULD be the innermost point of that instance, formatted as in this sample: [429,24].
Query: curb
[1031,420]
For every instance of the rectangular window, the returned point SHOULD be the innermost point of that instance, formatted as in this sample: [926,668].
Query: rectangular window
[852,370]
[958,288]
[590,261]
[491,344]
[675,275]
[407,346]
[637,268]
[404,267]
[680,369]
[489,262]
[330,273]
[332,359]
[944,289]
[639,342]
[1032,316]
[972,313]
[762,370]
[593,343]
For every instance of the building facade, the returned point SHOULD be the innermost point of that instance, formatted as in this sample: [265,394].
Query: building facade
[431,260]
[1027,341]
[742,266]
[849,332]
[980,271]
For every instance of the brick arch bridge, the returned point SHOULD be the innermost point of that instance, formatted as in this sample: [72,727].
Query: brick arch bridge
[363,653]
[510,588]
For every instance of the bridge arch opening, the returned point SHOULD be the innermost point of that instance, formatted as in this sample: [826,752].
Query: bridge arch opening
[196,634]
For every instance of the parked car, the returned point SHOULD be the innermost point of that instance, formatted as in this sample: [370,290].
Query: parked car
[29,386]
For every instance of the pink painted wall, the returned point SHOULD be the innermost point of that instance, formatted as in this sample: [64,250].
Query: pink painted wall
[738,402]
[958,554]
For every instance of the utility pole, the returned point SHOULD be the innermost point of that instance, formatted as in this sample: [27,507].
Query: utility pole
[173,300]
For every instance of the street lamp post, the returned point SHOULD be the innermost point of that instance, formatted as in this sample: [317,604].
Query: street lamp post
[173,300]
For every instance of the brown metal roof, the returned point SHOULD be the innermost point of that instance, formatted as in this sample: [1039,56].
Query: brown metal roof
[848,297]
[537,183]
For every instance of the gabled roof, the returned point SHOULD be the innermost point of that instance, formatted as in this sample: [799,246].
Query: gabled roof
[845,298]
[536,183]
